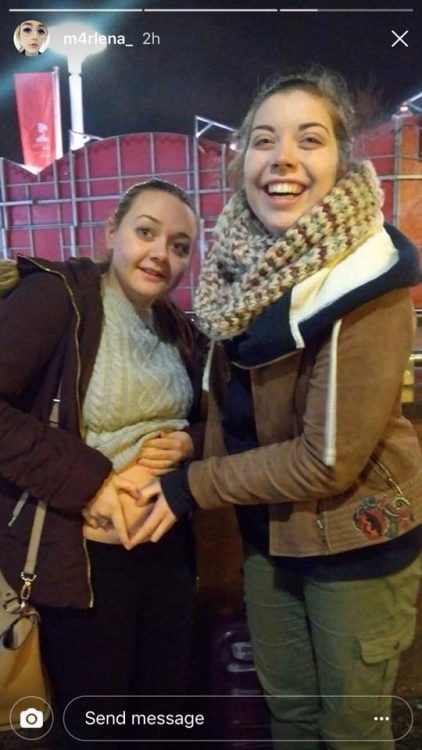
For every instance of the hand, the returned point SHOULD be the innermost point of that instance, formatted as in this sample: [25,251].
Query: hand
[161,518]
[106,508]
[161,454]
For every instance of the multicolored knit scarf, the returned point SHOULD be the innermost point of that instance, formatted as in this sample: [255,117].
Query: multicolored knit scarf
[247,268]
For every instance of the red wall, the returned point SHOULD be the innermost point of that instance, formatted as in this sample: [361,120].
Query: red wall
[62,210]
[400,136]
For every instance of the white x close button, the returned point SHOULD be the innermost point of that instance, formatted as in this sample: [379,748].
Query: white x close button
[399,38]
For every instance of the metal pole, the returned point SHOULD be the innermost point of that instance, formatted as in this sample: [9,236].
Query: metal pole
[57,115]
[396,185]
[196,200]
[77,139]
[4,223]
[74,205]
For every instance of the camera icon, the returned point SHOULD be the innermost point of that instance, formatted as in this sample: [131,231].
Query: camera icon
[31,718]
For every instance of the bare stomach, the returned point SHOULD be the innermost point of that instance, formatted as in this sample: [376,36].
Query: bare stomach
[134,516]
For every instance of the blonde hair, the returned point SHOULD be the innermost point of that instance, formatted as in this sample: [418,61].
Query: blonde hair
[17,38]
[9,275]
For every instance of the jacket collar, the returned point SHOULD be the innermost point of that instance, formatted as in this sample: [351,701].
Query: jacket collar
[385,262]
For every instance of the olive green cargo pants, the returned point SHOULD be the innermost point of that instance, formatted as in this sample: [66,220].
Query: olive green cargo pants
[330,650]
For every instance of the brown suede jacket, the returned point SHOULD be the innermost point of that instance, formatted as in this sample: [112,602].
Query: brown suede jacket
[317,508]
[50,328]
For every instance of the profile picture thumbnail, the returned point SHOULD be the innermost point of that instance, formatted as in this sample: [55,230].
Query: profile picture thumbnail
[31,38]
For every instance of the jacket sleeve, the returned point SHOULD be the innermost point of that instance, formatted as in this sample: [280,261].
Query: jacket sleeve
[50,463]
[372,350]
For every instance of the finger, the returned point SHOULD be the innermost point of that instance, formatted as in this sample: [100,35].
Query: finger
[148,493]
[160,443]
[118,520]
[141,516]
[138,520]
[156,453]
[162,529]
[125,485]
[160,472]
[155,464]
[145,498]
[149,527]
[160,521]
[91,521]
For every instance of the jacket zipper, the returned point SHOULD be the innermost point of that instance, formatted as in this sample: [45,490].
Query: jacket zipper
[78,322]
[270,362]
[321,529]
[78,403]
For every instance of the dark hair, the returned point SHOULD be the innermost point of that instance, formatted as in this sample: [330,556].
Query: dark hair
[317,81]
[170,323]
[155,183]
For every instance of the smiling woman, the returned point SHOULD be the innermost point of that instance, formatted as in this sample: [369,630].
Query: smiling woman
[292,162]
[116,616]
[305,295]
[150,240]
[151,246]
[31,38]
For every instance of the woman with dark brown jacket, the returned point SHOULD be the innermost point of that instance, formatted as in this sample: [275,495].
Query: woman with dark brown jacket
[114,620]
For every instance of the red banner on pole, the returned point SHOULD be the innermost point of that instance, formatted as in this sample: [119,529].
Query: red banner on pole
[38,110]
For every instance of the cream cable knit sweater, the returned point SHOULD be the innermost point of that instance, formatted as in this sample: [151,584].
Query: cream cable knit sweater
[139,385]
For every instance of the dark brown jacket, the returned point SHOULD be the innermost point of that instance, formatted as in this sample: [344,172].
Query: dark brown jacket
[50,328]
[319,507]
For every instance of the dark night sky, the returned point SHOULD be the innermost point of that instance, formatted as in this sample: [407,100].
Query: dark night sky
[210,64]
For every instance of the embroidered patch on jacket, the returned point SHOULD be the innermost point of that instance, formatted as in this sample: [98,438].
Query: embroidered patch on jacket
[383,517]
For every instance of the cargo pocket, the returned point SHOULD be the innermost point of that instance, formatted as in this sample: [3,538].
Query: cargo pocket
[375,669]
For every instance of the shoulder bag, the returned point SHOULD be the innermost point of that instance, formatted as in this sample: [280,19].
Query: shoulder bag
[23,682]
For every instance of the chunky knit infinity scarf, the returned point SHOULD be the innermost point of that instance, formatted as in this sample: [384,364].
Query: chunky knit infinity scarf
[247,268]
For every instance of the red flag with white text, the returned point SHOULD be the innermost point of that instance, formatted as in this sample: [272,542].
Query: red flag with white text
[38,105]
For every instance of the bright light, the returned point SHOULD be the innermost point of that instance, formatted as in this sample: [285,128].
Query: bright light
[412,106]
[76,41]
